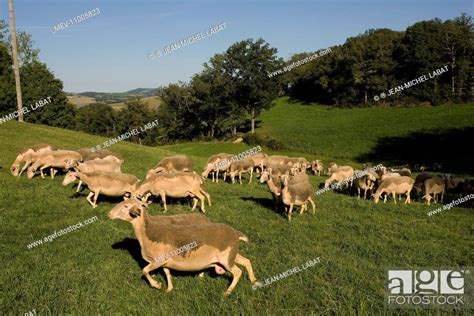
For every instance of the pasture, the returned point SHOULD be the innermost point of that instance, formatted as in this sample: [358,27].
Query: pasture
[97,268]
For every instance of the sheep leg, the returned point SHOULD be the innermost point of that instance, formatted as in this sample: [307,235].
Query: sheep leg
[163,197]
[217,176]
[394,197]
[79,186]
[442,195]
[202,199]
[27,164]
[358,193]
[365,194]
[385,198]
[303,208]
[251,173]
[41,171]
[53,172]
[236,273]
[89,198]
[313,204]
[240,177]
[289,211]
[195,202]
[205,194]
[146,272]
[169,282]
[239,259]
[95,198]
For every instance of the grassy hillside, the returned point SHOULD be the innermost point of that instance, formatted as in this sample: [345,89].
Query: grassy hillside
[394,135]
[80,100]
[97,268]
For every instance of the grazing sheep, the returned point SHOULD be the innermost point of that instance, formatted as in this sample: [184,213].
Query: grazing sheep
[300,163]
[217,247]
[390,175]
[274,185]
[396,185]
[273,160]
[91,154]
[178,163]
[403,172]
[28,156]
[53,159]
[365,182]
[134,204]
[258,160]
[106,183]
[339,174]
[241,166]
[297,194]
[278,169]
[317,167]
[176,185]
[107,164]
[214,166]
[420,181]
[434,186]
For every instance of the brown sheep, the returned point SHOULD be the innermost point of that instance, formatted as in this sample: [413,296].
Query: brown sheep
[217,247]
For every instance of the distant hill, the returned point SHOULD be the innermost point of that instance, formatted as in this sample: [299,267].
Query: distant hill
[81,99]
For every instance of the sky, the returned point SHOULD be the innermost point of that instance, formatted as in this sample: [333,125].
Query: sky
[109,51]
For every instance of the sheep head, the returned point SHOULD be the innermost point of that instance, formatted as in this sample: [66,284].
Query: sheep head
[128,210]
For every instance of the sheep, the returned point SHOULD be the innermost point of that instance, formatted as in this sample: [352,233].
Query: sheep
[91,154]
[396,185]
[403,172]
[390,175]
[107,164]
[176,185]
[28,156]
[297,194]
[275,160]
[317,167]
[420,181]
[52,159]
[258,160]
[296,178]
[181,163]
[213,165]
[274,185]
[339,174]
[241,166]
[434,186]
[298,162]
[278,169]
[365,182]
[106,183]
[133,204]
[217,247]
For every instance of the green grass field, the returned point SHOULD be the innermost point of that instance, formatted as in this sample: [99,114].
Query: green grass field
[97,268]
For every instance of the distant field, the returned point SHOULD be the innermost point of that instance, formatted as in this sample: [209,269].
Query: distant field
[151,103]
[79,100]
[417,135]
[97,269]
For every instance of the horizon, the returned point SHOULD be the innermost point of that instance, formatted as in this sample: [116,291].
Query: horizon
[108,54]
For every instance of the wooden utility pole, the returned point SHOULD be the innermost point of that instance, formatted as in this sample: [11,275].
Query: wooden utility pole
[16,65]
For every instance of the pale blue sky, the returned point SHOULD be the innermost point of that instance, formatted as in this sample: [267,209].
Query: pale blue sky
[108,52]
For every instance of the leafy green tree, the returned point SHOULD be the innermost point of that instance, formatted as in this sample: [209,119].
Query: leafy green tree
[248,63]
[38,83]
[99,119]
[7,82]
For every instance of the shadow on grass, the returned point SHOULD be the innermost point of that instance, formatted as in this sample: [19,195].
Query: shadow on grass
[266,203]
[446,150]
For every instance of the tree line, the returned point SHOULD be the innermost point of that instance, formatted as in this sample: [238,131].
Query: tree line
[235,86]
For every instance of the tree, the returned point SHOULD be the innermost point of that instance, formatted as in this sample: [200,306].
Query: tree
[39,83]
[7,81]
[98,119]
[248,64]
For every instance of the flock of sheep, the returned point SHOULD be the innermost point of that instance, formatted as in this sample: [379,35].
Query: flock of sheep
[217,244]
